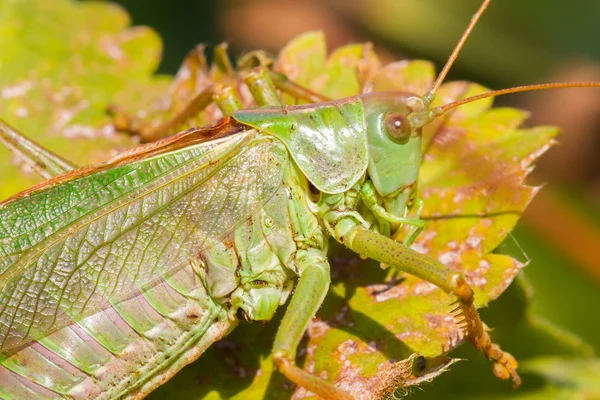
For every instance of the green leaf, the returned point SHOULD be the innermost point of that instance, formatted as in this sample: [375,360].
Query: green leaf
[62,63]
[304,60]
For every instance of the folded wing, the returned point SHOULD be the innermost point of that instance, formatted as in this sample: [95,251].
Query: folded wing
[75,248]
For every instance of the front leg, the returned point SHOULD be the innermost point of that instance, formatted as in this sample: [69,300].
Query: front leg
[416,228]
[370,198]
[394,254]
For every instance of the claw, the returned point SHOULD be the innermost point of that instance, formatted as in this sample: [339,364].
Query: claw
[505,365]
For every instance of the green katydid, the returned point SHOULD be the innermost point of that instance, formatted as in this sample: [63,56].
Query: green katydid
[205,226]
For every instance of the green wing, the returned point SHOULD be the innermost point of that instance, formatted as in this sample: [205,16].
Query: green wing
[72,249]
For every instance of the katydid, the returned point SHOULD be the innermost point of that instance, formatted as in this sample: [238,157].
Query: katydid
[113,277]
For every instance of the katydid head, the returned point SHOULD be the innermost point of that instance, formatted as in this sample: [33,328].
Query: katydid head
[394,146]
[394,126]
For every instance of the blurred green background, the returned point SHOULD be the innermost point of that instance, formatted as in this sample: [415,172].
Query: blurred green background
[517,42]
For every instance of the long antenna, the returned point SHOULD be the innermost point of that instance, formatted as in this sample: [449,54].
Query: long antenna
[527,88]
[429,96]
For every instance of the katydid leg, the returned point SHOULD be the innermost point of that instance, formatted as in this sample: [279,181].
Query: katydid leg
[396,255]
[224,96]
[369,197]
[222,61]
[128,123]
[415,230]
[40,159]
[300,92]
[306,300]
[227,100]
[263,84]
[262,88]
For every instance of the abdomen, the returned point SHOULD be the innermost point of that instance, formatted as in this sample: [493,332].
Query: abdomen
[122,352]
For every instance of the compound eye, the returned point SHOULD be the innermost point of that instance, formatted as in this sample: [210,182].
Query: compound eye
[398,127]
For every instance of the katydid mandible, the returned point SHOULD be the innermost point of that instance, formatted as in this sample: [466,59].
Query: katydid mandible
[207,226]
